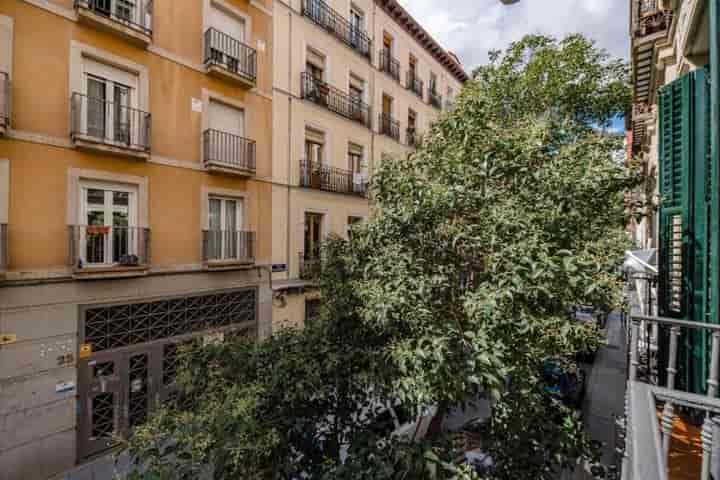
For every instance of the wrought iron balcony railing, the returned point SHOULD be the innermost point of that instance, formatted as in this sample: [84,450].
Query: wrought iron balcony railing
[310,266]
[4,100]
[411,136]
[657,383]
[331,179]
[114,124]
[4,257]
[134,15]
[435,99]
[334,100]
[230,151]
[230,54]
[414,84]
[389,126]
[650,17]
[353,36]
[100,246]
[228,246]
[389,65]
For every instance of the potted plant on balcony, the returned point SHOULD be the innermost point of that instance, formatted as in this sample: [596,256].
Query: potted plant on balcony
[97,230]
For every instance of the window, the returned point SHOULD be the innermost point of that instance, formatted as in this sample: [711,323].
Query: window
[412,65]
[228,24]
[314,145]
[387,104]
[315,64]
[357,25]
[108,224]
[312,310]
[433,83]
[356,167]
[387,45]
[313,231]
[356,88]
[412,128]
[224,225]
[111,98]
[351,222]
[226,118]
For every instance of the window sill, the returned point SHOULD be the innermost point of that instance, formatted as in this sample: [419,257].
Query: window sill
[110,271]
[228,169]
[94,144]
[220,265]
[133,35]
[218,71]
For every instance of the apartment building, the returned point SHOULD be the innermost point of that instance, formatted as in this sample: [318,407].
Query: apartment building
[674,337]
[135,186]
[353,82]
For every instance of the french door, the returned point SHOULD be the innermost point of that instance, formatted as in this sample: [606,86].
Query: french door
[108,235]
[313,232]
[224,225]
[109,110]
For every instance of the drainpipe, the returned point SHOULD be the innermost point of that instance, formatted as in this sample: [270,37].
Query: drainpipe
[714,41]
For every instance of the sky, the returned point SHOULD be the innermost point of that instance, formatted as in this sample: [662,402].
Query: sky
[471,28]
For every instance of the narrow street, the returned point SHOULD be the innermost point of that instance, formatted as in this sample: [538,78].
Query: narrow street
[605,396]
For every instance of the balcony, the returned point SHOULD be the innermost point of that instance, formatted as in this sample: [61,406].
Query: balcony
[389,126]
[663,419]
[227,153]
[229,59]
[107,127]
[435,99]
[389,65]
[411,136]
[334,100]
[310,267]
[99,251]
[129,20]
[335,24]
[4,102]
[414,84]
[650,17]
[317,176]
[226,249]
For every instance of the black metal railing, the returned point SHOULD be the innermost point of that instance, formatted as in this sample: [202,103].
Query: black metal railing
[4,99]
[228,246]
[411,136]
[414,84]
[226,149]
[104,246]
[389,126]
[389,65]
[353,36]
[111,123]
[310,265]
[334,100]
[4,257]
[435,99]
[135,15]
[230,54]
[331,179]
[649,18]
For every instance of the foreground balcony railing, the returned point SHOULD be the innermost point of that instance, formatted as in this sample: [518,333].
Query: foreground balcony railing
[330,179]
[228,57]
[655,345]
[130,19]
[334,100]
[389,126]
[107,126]
[435,99]
[100,247]
[228,247]
[389,65]
[310,266]
[4,102]
[322,14]
[228,153]
[414,84]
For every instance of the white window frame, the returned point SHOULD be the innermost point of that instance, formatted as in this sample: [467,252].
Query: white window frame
[132,208]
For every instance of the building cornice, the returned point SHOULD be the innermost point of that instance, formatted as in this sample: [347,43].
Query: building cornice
[411,26]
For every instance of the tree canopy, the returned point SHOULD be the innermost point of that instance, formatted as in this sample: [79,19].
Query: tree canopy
[507,215]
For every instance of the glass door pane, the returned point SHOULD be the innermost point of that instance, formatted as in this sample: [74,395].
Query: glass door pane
[122,114]
[214,229]
[96,107]
[96,231]
[123,238]
[231,238]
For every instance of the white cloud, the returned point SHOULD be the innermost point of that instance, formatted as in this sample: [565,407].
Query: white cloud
[471,28]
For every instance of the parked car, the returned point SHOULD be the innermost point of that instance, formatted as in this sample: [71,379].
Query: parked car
[564,380]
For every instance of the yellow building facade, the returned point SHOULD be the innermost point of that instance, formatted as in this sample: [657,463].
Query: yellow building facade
[353,82]
[136,169]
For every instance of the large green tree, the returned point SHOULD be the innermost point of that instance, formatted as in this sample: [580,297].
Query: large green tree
[508,214]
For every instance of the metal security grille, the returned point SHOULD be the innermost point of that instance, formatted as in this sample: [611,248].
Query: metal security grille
[103,415]
[110,327]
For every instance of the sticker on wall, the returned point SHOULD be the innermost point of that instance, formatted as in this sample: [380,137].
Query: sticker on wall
[64,387]
[196,105]
[85,350]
